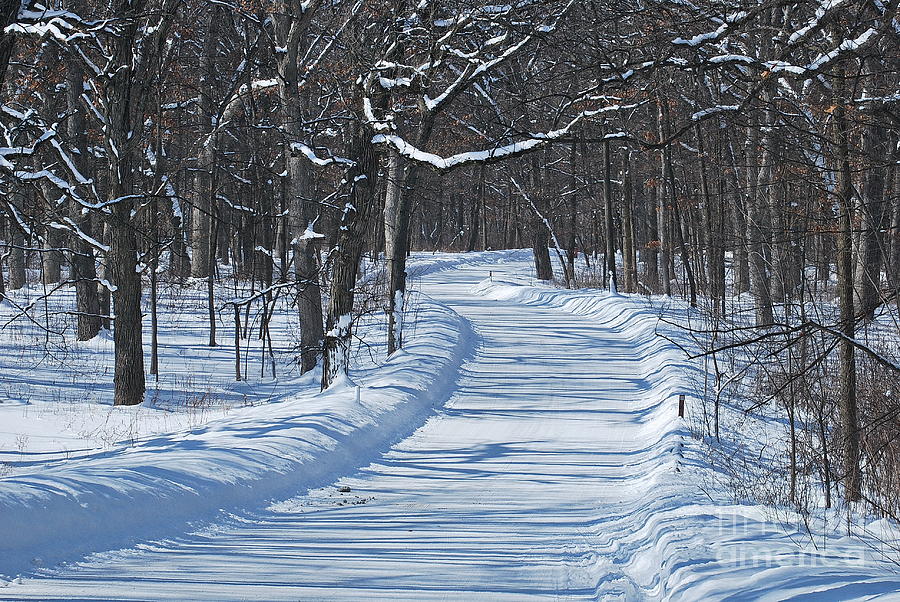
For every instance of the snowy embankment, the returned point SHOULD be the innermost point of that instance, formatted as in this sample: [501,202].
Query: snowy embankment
[257,453]
[666,373]
[687,539]
[133,491]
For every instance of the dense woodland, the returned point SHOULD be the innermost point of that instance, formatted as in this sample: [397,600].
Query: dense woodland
[743,155]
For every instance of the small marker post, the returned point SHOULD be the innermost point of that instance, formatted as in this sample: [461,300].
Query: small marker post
[358,399]
[681,406]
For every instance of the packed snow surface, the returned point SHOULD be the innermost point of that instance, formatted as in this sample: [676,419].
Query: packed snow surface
[538,454]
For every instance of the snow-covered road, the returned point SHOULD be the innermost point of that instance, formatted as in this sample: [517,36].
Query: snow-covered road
[551,473]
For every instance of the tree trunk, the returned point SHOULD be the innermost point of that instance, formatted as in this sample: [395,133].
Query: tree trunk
[125,93]
[297,185]
[203,186]
[711,216]
[154,288]
[719,249]
[758,227]
[309,303]
[127,326]
[610,217]
[460,220]
[17,273]
[572,208]
[86,298]
[403,183]
[650,253]
[396,203]
[9,12]
[346,254]
[677,225]
[103,290]
[84,268]
[482,207]
[539,231]
[51,258]
[873,218]
[665,242]
[737,204]
[211,277]
[540,241]
[893,267]
[628,255]
[847,322]
[473,222]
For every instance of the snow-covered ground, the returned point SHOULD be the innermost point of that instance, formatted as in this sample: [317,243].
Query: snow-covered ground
[84,476]
[56,393]
[537,454]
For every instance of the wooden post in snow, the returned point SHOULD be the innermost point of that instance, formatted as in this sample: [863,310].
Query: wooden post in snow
[237,342]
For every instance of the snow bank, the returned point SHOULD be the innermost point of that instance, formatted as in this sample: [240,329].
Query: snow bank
[665,370]
[255,454]
[683,540]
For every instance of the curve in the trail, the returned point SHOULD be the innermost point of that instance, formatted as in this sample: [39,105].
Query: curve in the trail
[550,473]
[494,496]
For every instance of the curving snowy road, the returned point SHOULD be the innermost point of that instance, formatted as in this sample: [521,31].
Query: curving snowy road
[550,473]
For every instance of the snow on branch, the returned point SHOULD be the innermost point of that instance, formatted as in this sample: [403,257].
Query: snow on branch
[842,48]
[890,98]
[472,72]
[826,7]
[443,163]
[713,36]
[61,25]
[310,154]
[498,153]
[783,66]
[706,113]
[70,226]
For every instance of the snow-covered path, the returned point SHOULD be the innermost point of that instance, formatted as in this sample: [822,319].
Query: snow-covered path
[494,495]
[541,477]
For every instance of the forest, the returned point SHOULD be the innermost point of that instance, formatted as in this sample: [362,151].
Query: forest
[741,156]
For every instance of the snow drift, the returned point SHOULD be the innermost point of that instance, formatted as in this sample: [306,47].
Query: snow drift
[257,453]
